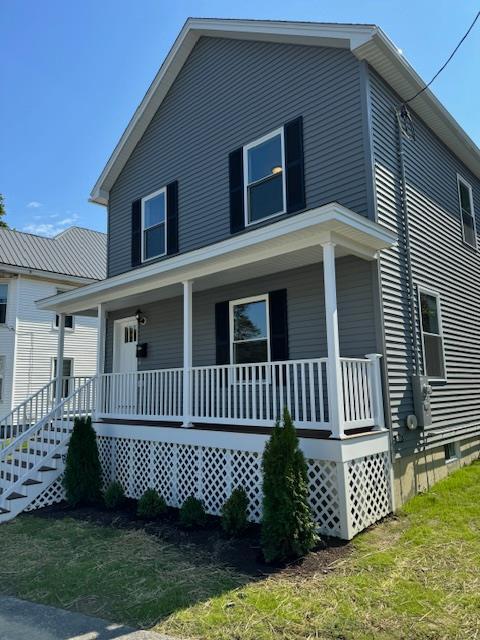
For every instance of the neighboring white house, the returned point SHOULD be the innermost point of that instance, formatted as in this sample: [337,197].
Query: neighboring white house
[33,267]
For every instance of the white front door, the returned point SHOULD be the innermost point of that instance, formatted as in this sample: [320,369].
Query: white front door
[123,394]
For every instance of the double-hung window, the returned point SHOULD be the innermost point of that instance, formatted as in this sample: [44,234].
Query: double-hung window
[67,373]
[264,177]
[68,318]
[467,213]
[3,302]
[154,225]
[249,330]
[2,377]
[432,335]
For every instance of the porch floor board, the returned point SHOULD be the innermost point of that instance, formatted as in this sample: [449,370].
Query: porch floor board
[319,434]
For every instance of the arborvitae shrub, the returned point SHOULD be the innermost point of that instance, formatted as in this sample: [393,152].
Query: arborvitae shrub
[82,477]
[114,495]
[192,513]
[151,505]
[288,529]
[234,512]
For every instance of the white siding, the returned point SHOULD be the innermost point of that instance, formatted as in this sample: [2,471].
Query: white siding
[37,341]
[7,343]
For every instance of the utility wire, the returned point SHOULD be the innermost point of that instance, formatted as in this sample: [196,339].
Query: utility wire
[447,61]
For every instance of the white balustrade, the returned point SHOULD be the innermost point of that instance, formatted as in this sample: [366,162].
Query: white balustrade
[248,394]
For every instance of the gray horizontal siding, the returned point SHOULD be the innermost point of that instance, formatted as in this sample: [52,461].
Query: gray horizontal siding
[440,261]
[229,93]
[306,318]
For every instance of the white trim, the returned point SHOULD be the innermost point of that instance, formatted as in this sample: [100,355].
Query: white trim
[281,132]
[2,376]
[367,42]
[462,180]
[434,294]
[116,324]
[163,191]
[187,351]
[309,228]
[232,303]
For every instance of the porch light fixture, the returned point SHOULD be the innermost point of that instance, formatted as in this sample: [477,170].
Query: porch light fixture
[140,317]
[276,170]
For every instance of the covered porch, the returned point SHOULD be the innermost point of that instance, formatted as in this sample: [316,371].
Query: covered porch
[335,395]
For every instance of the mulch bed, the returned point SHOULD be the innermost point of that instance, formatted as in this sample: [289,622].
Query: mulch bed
[242,553]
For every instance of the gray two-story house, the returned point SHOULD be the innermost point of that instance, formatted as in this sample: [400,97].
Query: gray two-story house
[285,231]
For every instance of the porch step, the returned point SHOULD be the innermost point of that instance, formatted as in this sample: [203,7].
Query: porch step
[44,469]
[15,496]
[30,482]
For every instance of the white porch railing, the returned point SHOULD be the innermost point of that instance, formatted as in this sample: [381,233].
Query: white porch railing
[29,412]
[151,394]
[248,394]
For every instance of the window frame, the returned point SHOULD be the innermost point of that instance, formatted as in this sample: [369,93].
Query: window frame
[461,180]
[2,376]
[6,284]
[456,451]
[280,131]
[150,196]
[435,294]
[72,371]
[264,297]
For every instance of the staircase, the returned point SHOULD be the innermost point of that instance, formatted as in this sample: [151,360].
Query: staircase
[34,439]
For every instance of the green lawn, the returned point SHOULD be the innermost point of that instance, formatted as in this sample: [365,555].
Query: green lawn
[416,576]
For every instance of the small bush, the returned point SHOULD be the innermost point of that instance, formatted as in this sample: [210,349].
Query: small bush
[114,495]
[234,512]
[82,477]
[192,513]
[151,505]
[288,529]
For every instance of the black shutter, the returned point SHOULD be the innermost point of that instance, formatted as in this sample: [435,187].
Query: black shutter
[172,217]
[278,324]
[237,214]
[294,165]
[136,233]
[222,332]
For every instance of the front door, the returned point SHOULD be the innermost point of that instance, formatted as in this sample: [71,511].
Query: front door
[123,392]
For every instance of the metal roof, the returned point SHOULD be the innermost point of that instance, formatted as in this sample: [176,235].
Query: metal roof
[76,252]
[367,42]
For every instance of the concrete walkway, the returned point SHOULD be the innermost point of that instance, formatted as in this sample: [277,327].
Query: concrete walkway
[21,620]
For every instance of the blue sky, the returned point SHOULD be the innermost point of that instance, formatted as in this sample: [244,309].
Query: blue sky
[72,73]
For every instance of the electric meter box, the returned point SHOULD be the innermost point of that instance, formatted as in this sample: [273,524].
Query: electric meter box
[422,400]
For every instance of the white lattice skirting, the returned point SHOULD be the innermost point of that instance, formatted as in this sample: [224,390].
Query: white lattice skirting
[345,496]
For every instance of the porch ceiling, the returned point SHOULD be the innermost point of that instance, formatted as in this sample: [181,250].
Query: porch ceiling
[286,244]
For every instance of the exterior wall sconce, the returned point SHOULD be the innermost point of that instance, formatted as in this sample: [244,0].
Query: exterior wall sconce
[140,317]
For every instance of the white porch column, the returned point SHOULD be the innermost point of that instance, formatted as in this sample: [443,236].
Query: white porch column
[187,352]
[101,327]
[60,350]
[334,373]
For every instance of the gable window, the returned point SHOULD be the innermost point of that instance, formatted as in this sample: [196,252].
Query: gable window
[67,373]
[264,170]
[249,329]
[154,225]
[432,335]
[3,302]
[467,213]
[2,376]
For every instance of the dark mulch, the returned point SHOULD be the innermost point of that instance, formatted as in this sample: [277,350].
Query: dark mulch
[241,553]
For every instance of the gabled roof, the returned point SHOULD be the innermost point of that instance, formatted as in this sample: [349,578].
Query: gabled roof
[75,252]
[367,42]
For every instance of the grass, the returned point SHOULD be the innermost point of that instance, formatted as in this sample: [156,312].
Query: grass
[415,576]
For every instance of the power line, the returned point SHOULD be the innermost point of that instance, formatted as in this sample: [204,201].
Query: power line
[447,61]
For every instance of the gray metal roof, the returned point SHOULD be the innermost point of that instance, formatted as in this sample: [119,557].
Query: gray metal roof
[74,252]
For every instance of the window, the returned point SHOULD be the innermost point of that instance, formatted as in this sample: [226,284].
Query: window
[3,302]
[432,336]
[154,225]
[68,319]
[67,373]
[451,451]
[264,171]
[467,213]
[2,376]
[249,330]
